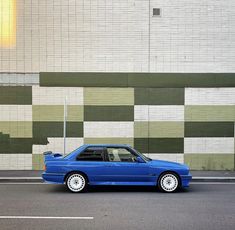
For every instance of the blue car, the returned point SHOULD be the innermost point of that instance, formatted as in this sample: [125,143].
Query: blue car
[113,165]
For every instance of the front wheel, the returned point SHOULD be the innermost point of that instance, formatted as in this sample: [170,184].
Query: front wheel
[76,182]
[168,182]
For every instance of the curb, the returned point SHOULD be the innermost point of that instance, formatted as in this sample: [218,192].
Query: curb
[213,179]
[39,179]
[20,179]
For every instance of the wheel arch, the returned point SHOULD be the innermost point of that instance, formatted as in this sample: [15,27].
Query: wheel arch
[76,171]
[169,171]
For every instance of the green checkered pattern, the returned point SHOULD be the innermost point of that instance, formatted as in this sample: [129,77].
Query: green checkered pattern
[186,120]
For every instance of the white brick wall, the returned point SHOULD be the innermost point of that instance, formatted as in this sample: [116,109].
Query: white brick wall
[99,35]
[108,129]
[56,95]
[56,145]
[15,161]
[159,113]
[15,112]
[193,36]
[209,145]
[209,96]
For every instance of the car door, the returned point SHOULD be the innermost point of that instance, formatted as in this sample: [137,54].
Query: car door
[92,161]
[122,167]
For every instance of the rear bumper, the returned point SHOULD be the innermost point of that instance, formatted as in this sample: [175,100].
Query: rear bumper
[185,179]
[54,178]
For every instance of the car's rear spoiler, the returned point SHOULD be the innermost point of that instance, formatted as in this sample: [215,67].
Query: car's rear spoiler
[50,156]
[47,153]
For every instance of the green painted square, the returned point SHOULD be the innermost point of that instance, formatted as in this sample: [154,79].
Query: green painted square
[42,130]
[108,113]
[159,96]
[181,80]
[16,128]
[141,129]
[166,145]
[56,113]
[108,96]
[141,144]
[209,161]
[210,113]
[209,129]
[160,80]
[16,95]
[168,129]
[15,145]
[83,79]
[159,145]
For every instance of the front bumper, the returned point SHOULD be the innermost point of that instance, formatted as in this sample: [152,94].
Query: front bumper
[185,179]
[54,178]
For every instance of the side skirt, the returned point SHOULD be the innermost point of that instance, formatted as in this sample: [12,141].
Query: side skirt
[122,183]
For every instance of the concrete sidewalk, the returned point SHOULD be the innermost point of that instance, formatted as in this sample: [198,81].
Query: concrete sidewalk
[35,176]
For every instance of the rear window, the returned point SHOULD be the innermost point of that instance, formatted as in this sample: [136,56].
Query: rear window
[91,154]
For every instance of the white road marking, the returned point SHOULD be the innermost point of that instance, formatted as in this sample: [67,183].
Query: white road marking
[50,217]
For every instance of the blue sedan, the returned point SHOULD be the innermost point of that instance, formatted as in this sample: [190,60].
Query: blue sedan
[113,165]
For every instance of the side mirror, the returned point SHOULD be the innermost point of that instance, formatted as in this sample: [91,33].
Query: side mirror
[139,160]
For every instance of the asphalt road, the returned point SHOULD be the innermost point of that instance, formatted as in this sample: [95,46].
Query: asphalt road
[202,206]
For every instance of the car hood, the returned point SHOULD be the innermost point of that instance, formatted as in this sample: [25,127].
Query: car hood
[168,164]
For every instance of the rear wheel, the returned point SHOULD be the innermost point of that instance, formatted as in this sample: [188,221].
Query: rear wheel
[76,182]
[168,182]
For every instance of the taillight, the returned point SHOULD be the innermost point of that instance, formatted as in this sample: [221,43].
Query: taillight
[44,168]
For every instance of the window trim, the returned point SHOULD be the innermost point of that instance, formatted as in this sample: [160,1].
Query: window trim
[128,149]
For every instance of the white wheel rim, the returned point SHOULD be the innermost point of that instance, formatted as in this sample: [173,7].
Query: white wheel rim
[169,182]
[76,182]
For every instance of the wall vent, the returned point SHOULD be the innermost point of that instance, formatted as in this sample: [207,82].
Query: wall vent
[156,11]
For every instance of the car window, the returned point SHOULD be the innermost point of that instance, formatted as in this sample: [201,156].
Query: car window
[120,155]
[91,154]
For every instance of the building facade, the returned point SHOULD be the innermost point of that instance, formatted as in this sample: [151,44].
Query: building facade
[157,75]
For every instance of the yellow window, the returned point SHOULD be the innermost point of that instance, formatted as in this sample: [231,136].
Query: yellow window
[7,23]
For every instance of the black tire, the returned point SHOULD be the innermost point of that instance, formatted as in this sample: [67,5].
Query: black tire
[168,182]
[76,182]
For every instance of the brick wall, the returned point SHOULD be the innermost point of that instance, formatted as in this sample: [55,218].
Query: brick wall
[190,122]
[121,36]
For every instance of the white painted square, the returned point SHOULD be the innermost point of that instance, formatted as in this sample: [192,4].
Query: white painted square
[56,145]
[141,112]
[209,145]
[56,95]
[15,161]
[108,129]
[210,96]
[159,113]
[15,112]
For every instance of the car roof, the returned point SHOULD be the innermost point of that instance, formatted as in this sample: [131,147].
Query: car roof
[106,145]
[83,147]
